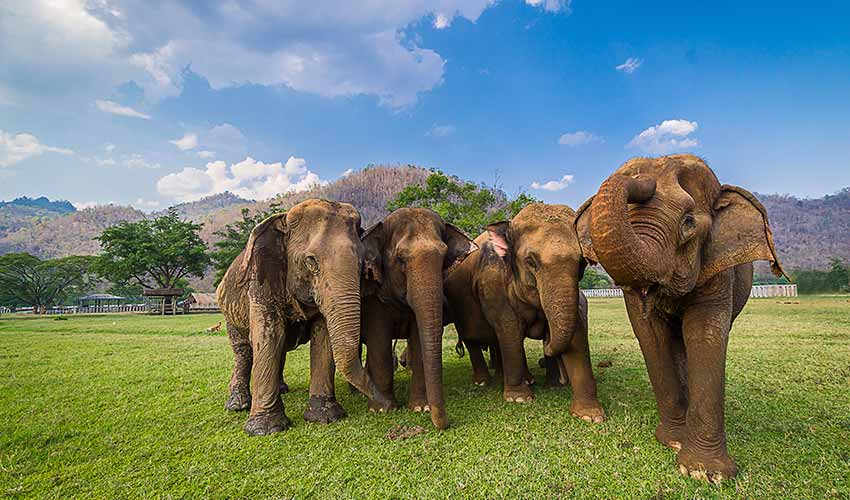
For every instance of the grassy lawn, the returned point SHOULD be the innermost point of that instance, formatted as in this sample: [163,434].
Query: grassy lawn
[125,406]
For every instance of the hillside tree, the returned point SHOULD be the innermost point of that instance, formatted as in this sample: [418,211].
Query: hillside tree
[234,237]
[26,280]
[467,205]
[153,253]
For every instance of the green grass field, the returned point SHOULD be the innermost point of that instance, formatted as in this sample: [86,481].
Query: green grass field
[132,406]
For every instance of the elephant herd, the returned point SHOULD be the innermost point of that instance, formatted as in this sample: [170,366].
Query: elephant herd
[678,243]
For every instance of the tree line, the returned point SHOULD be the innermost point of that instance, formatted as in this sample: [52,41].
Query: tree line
[164,252]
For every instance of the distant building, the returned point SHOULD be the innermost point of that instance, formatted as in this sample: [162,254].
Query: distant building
[201,302]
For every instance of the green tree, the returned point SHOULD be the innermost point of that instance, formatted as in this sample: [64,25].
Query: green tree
[153,253]
[27,280]
[465,204]
[593,278]
[839,275]
[234,237]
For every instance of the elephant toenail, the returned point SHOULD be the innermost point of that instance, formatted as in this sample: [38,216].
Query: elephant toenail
[587,418]
[683,470]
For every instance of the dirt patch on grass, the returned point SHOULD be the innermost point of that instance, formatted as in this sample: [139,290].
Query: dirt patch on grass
[401,432]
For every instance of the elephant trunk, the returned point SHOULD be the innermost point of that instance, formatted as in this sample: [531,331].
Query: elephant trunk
[559,299]
[425,297]
[629,259]
[341,310]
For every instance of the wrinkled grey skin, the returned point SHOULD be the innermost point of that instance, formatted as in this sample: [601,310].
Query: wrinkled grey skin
[523,283]
[298,279]
[681,245]
[407,255]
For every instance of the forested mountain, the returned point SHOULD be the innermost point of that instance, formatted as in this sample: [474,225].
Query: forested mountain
[807,232]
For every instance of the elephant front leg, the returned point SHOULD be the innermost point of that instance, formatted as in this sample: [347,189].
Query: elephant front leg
[267,410]
[378,330]
[704,454]
[322,407]
[656,338]
[480,373]
[512,351]
[239,393]
[576,362]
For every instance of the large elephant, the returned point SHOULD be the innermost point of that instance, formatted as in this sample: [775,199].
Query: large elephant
[523,282]
[298,279]
[681,245]
[407,255]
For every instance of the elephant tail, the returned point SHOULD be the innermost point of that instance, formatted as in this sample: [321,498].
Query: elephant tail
[459,349]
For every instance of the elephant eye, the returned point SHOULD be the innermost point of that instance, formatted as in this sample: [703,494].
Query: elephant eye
[689,224]
[312,264]
[531,261]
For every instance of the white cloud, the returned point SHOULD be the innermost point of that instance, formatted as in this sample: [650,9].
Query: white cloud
[104,162]
[551,5]
[82,205]
[667,137]
[578,138]
[109,148]
[225,136]
[19,147]
[146,205]
[347,173]
[630,66]
[206,155]
[187,142]
[440,130]
[117,109]
[137,161]
[556,185]
[249,178]
[326,47]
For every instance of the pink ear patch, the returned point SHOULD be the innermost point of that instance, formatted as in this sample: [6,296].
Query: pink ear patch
[500,244]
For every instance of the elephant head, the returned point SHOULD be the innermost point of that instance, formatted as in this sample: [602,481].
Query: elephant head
[319,256]
[541,246]
[407,255]
[665,225]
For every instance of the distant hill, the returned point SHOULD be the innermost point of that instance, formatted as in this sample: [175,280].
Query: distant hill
[808,232]
[24,212]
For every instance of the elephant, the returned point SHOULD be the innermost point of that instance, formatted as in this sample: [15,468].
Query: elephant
[523,283]
[407,255]
[297,280]
[681,246]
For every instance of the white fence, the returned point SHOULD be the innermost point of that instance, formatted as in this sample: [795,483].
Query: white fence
[603,292]
[758,291]
[762,291]
[124,308]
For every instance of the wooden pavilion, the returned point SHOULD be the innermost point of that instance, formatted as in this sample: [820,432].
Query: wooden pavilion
[163,300]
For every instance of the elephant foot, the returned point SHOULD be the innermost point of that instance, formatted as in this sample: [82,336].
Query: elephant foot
[265,424]
[323,410]
[418,405]
[671,437]
[387,406]
[589,411]
[552,384]
[518,394]
[481,379]
[439,418]
[706,467]
[284,387]
[239,399]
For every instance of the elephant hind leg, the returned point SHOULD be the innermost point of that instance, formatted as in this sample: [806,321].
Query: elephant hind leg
[480,373]
[239,393]
[577,366]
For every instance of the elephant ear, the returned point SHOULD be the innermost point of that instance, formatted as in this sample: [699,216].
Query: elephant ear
[740,233]
[459,246]
[498,233]
[373,242]
[582,226]
[260,245]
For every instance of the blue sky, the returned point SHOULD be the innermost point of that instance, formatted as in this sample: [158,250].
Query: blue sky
[152,103]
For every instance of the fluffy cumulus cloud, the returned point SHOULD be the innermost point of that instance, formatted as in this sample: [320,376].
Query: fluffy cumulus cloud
[579,138]
[117,109]
[555,185]
[630,65]
[667,137]
[15,148]
[187,142]
[249,178]
[138,161]
[325,47]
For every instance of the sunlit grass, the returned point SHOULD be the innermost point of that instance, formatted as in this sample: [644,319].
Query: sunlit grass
[121,406]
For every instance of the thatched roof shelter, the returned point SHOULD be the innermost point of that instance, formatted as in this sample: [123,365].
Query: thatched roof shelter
[201,302]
